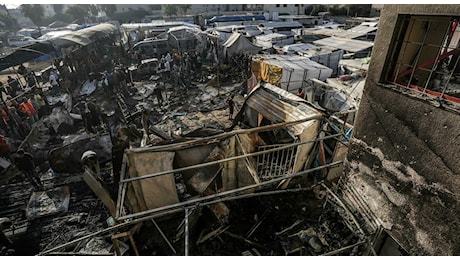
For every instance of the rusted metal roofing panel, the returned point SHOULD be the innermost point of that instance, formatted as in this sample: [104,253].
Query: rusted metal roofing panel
[272,103]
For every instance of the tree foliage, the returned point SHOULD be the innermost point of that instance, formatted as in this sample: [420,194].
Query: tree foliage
[11,23]
[93,9]
[58,8]
[185,8]
[109,9]
[34,12]
[130,16]
[170,10]
[78,12]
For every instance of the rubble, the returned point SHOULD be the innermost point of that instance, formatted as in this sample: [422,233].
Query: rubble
[172,175]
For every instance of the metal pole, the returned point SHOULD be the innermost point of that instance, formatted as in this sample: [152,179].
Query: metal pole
[186,232]
[228,134]
[226,193]
[161,214]
[164,236]
[419,54]
[226,159]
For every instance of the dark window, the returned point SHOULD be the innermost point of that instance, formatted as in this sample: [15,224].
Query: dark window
[426,56]
[277,5]
[284,5]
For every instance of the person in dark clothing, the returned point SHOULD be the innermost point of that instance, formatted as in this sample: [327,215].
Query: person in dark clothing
[14,86]
[158,92]
[231,107]
[22,70]
[5,149]
[25,162]
[94,119]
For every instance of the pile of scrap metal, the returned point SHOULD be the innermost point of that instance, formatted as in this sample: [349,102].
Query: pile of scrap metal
[239,186]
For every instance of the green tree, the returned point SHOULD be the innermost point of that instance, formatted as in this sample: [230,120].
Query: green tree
[170,10]
[78,12]
[11,24]
[109,10]
[58,8]
[185,8]
[93,10]
[34,12]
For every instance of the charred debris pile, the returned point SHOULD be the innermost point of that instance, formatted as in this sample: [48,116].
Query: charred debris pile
[157,168]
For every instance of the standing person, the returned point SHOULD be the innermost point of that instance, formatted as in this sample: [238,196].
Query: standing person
[43,109]
[231,107]
[25,162]
[95,122]
[28,109]
[14,86]
[22,70]
[300,93]
[54,79]
[5,149]
[158,91]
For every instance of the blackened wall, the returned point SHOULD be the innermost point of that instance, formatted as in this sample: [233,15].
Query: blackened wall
[403,160]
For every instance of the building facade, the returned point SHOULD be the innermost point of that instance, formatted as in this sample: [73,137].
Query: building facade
[292,9]
[402,173]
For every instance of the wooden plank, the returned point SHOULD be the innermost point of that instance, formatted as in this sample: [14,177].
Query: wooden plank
[251,169]
[100,191]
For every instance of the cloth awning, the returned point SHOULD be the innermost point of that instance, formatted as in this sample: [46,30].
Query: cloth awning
[27,53]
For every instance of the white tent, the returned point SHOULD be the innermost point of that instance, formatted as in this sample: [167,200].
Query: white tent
[288,71]
[237,43]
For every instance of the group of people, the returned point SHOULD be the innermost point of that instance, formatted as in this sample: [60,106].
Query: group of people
[18,115]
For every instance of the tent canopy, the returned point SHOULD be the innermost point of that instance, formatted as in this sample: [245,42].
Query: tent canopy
[237,43]
[27,53]
[47,47]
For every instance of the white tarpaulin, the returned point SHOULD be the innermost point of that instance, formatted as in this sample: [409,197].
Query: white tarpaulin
[291,70]
[237,43]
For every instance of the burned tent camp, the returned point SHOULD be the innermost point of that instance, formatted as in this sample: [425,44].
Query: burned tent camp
[186,191]
[205,143]
[160,160]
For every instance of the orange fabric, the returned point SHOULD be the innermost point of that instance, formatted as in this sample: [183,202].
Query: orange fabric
[28,107]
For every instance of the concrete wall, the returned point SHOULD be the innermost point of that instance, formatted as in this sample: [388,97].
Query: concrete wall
[403,159]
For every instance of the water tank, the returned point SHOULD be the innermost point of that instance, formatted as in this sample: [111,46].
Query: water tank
[275,16]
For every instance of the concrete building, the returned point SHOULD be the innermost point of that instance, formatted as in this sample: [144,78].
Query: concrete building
[292,9]
[376,9]
[402,170]
[121,8]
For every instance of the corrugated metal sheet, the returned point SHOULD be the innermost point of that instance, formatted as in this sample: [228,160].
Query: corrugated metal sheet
[272,37]
[266,100]
[345,44]
[355,32]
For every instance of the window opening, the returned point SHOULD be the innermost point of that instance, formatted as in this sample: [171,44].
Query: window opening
[428,56]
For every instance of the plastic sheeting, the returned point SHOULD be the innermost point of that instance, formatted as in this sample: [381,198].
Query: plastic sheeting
[88,88]
[238,44]
[288,71]
[152,192]
[44,203]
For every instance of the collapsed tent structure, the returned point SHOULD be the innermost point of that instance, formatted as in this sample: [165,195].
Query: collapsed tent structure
[238,44]
[51,48]
[185,191]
